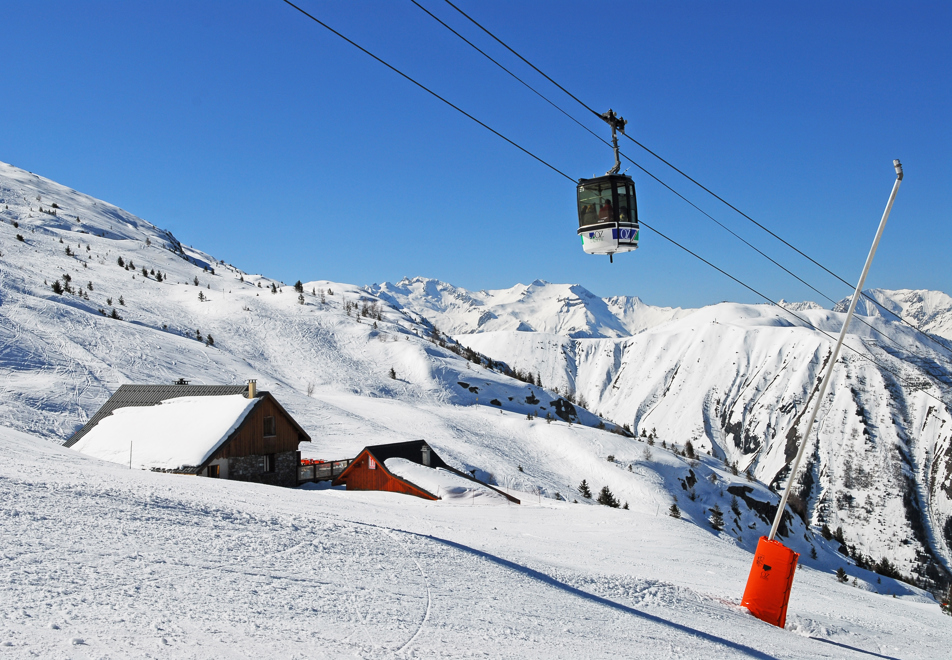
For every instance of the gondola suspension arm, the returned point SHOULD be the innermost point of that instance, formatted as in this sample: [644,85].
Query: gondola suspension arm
[618,123]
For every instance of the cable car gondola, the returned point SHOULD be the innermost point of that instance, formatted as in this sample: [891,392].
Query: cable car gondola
[607,207]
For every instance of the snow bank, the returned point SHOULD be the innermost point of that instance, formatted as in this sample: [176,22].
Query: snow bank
[176,433]
[446,485]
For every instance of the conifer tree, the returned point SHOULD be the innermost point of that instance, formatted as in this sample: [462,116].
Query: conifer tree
[393,373]
[606,498]
[584,490]
[735,506]
[674,511]
[841,575]
[57,287]
[717,518]
[299,287]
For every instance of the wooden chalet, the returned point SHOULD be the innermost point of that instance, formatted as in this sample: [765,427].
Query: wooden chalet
[368,472]
[262,445]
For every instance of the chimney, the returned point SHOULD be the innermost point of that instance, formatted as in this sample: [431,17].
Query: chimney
[252,388]
[426,454]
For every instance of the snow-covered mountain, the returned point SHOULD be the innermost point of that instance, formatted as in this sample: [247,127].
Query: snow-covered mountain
[563,309]
[138,306]
[736,380]
[929,311]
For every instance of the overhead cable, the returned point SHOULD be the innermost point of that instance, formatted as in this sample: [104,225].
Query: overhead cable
[553,168]
[697,183]
[428,90]
[635,163]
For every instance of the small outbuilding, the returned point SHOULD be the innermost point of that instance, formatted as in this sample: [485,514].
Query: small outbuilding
[224,431]
[369,471]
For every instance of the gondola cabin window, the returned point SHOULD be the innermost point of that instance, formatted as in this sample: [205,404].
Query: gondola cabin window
[270,428]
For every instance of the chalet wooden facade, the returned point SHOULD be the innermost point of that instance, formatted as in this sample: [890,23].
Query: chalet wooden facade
[368,472]
[263,447]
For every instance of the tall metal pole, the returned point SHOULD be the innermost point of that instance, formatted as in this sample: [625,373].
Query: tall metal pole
[836,353]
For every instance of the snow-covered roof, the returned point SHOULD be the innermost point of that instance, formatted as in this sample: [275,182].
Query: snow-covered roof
[150,395]
[176,433]
[442,483]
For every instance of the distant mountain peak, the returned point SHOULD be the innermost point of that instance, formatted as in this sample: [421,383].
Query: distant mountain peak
[568,309]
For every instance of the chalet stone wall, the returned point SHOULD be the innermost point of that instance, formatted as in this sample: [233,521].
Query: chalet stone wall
[251,468]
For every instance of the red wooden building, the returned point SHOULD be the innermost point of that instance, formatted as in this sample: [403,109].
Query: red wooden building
[368,472]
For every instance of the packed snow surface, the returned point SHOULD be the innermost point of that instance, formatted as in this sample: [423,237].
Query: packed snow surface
[444,484]
[173,434]
[100,561]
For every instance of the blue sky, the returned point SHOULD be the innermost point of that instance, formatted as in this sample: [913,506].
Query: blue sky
[256,135]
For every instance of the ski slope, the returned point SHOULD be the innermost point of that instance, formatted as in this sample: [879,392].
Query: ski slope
[103,561]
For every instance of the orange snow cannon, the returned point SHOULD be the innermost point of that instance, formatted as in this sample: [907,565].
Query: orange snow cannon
[769,582]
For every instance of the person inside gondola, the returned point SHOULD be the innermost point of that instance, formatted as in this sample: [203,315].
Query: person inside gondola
[606,214]
[588,215]
[622,213]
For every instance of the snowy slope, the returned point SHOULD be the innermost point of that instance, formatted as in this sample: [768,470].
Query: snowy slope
[566,309]
[735,379]
[930,311]
[101,561]
[65,354]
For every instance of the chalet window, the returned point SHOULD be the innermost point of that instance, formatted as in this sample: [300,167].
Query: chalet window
[213,471]
[269,461]
[270,428]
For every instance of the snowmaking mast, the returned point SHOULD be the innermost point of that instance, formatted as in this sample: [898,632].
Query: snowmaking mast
[771,574]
